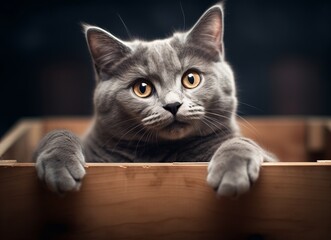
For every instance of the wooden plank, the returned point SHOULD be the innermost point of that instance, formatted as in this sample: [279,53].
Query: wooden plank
[167,201]
[21,141]
[77,125]
[285,137]
[319,138]
[12,136]
[316,135]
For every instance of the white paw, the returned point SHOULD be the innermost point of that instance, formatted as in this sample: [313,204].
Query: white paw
[61,171]
[231,173]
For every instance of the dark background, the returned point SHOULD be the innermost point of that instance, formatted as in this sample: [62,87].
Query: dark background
[280,51]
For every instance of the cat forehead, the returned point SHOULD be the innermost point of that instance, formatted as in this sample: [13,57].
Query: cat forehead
[176,48]
[157,54]
[160,46]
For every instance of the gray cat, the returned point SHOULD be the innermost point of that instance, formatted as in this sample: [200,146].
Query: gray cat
[170,100]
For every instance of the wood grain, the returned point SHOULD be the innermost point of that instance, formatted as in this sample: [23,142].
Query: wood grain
[167,201]
[171,201]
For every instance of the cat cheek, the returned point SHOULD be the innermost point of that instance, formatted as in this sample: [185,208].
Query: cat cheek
[156,121]
[102,105]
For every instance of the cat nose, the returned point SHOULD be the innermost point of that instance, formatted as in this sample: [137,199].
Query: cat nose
[172,107]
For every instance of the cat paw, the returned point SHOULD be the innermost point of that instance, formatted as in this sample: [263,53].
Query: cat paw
[231,173]
[61,171]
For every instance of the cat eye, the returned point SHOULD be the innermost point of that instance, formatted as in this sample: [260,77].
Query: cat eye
[191,79]
[143,88]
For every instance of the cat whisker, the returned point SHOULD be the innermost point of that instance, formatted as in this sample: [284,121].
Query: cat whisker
[137,145]
[210,121]
[130,130]
[126,28]
[246,104]
[245,124]
[155,121]
[223,126]
[248,126]
[116,125]
[207,123]
[183,13]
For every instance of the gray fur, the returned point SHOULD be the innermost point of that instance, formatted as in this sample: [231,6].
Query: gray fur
[127,128]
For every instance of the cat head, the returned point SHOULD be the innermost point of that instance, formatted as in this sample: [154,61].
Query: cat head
[164,89]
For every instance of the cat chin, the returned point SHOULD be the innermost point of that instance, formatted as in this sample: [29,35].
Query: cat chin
[175,131]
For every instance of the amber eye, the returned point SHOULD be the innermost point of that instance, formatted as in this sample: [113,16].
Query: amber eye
[143,88]
[191,79]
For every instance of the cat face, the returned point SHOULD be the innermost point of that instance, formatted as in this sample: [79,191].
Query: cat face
[165,89]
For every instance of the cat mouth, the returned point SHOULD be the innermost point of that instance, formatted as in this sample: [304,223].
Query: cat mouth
[175,125]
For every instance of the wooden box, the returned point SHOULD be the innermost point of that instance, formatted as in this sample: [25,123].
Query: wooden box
[291,200]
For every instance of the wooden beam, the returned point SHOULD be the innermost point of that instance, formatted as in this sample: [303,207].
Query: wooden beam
[286,137]
[20,142]
[167,201]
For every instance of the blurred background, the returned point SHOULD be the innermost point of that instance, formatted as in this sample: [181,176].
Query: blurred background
[279,49]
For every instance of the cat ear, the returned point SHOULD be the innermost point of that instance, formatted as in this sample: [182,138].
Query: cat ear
[106,50]
[208,31]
